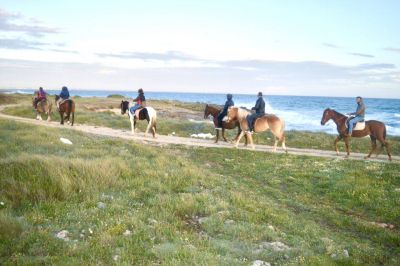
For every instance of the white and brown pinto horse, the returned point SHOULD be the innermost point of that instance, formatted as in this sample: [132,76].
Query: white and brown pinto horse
[268,121]
[145,113]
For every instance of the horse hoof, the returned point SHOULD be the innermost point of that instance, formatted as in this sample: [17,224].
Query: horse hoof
[366,157]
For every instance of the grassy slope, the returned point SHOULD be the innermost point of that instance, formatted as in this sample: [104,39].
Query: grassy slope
[183,127]
[317,207]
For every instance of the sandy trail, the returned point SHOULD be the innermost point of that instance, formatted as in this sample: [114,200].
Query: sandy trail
[173,140]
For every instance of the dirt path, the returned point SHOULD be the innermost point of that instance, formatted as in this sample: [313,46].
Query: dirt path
[173,140]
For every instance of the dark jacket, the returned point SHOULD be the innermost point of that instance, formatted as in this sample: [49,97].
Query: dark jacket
[260,106]
[228,104]
[64,94]
[140,99]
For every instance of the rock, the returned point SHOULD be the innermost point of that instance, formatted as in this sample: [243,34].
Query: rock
[101,205]
[229,221]
[275,246]
[63,235]
[260,263]
[127,233]
[90,231]
[202,220]
[333,256]
[107,197]
[66,141]
[116,257]
[345,253]
[271,227]
[152,221]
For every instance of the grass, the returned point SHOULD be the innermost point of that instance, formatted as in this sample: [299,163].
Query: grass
[205,206]
[86,114]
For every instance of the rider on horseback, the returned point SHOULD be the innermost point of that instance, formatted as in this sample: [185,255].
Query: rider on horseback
[140,99]
[260,111]
[64,95]
[359,115]
[41,95]
[229,102]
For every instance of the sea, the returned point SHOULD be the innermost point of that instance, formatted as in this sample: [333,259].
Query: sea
[301,113]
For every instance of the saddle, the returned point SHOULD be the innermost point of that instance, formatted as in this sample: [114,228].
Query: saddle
[359,125]
[137,112]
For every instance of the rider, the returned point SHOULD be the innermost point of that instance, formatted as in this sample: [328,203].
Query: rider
[140,99]
[64,95]
[229,102]
[359,114]
[260,111]
[41,95]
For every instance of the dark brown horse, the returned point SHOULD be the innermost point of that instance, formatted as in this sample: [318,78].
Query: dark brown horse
[66,107]
[214,112]
[375,129]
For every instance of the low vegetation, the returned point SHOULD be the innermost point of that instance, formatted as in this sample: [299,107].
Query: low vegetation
[104,201]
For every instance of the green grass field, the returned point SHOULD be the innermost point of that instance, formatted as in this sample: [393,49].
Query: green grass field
[126,203]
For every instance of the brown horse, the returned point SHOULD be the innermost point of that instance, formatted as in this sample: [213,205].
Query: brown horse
[66,107]
[268,121]
[214,112]
[375,129]
[43,107]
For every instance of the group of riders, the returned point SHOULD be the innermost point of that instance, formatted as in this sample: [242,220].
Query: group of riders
[41,96]
[259,108]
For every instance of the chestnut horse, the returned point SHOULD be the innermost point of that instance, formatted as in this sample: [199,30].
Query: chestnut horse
[146,113]
[267,121]
[214,112]
[43,107]
[66,107]
[375,129]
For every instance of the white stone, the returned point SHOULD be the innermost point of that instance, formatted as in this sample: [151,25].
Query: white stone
[66,141]
[127,233]
[63,235]
[101,205]
[116,257]
[346,253]
[260,263]
[275,246]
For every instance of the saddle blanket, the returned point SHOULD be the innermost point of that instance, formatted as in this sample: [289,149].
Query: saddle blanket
[359,125]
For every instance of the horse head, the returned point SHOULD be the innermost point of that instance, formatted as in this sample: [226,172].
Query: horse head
[206,112]
[232,113]
[124,106]
[326,116]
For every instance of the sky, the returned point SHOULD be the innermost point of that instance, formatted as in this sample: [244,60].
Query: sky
[322,48]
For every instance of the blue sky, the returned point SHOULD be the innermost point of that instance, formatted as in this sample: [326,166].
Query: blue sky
[343,48]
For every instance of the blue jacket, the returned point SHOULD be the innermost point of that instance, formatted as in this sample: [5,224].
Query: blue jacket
[260,106]
[64,94]
[228,104]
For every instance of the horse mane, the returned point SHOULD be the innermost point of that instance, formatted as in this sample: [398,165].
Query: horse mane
[336,112]
[242,112]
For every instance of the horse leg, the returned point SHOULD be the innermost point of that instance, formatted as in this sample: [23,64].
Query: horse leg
[373,147]
[346,142]
[283,143]
[275,144]
[338,138]
[217,136]
[38,116]
[385,144]
[153,127]
[238,139]
[133,122]
[223,135]
[249,137]
[62,118]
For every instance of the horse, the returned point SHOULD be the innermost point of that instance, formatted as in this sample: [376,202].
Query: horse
[214,112]
[145,113]
[375,129]
[43,107]
[66,107]
[263,123]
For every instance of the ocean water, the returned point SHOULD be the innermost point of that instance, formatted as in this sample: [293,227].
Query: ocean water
[299,112]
